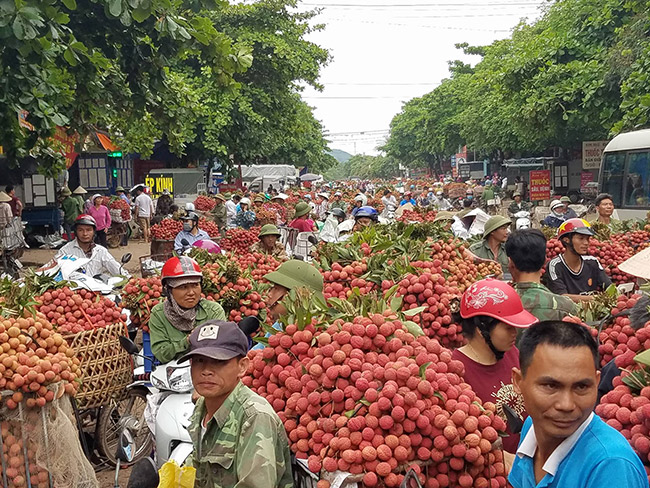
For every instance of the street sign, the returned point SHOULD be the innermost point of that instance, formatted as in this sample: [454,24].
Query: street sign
[540,185]
[592,154]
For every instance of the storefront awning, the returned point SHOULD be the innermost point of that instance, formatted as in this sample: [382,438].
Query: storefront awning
[106,142]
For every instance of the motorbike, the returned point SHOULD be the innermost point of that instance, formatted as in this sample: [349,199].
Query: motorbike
[100,427]
[522,219]
[173,382]
[12,246]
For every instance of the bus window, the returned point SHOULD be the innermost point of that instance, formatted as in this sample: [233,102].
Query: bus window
[612,176]
[637,191]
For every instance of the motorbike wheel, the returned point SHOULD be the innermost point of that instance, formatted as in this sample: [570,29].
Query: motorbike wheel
[112,419]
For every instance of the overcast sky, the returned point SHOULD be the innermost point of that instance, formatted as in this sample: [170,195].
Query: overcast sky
[386,52]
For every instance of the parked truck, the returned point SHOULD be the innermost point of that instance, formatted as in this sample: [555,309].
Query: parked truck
[260,177]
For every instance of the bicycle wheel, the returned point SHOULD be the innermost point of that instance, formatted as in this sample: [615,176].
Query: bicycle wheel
[114,417]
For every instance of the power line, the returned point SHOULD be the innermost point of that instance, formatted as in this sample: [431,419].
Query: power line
[409,5]
[418,25]
[357,132]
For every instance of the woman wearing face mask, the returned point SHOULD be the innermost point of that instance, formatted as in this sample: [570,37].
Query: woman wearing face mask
[490,314]
[173,320]
[191,233]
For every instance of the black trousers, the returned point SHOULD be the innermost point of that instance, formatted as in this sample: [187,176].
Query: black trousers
[100,238]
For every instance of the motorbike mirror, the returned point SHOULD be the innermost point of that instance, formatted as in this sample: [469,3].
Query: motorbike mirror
[185,242]
[313,240]
[126,258]
[249,325]
[128,345]
[125,447]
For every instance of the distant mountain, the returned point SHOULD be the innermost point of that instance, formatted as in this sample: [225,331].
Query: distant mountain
[340,155]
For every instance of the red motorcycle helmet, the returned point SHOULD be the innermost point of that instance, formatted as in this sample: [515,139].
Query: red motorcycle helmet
[85,219]
[495,299]
[575,226]
[180,267]
[210,246]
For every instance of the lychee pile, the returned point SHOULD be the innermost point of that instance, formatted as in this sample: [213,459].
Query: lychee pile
[371,399]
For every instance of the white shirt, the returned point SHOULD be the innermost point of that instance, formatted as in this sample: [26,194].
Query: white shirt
[101,261]
[144,205]
[191,239]
[528,447]
[231,211]
[330,231]
[390,203]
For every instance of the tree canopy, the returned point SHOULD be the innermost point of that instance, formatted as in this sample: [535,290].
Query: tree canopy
[579,73]
[364,166]
[209,78]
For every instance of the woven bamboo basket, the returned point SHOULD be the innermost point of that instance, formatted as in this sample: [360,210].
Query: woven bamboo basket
[106,368]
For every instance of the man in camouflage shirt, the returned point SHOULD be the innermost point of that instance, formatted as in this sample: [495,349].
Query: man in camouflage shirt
[220,214]
[526,251]
[239,440]
[268,243]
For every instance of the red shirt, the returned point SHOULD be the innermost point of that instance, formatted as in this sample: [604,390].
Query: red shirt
[303,225]
[493,383]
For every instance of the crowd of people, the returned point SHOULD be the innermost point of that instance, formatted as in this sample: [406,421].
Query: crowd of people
[518,348]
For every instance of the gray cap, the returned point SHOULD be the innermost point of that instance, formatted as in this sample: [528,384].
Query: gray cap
[218,340]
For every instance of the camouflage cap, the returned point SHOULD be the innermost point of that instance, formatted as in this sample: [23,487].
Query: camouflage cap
[444,215]
[218,340]
[494,223]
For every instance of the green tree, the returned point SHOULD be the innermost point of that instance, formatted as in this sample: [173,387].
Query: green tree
[266,121]
[427,130]
[580,72]
[104,63]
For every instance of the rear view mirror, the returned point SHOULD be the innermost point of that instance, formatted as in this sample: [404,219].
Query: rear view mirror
[126,258]
[128,345]
[125,447]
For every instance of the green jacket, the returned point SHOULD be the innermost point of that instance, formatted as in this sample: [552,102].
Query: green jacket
[514,207]
[72,208]
[339,204]
[244,445]
[167,342]
[488,194]
[220,215]
[482,250]
[543,303]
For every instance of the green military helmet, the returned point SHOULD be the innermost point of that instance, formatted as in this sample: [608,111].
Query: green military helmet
[119,188]
[66,191]
[302,208]
[269,230]
[298,274]
[516,194]
[444,215]
[494,223]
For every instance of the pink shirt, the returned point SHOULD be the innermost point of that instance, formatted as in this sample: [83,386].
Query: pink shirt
[303,225]
[101,215]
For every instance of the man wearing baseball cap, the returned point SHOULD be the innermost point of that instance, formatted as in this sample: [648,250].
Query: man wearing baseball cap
[238,438]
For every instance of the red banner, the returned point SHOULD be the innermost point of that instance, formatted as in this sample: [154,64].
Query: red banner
[68,142]
[540,185]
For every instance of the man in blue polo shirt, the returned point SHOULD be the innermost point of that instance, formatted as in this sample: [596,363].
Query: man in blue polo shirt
[563,443]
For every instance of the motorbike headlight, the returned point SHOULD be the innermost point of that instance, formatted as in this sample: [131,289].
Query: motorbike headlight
[157,383]
[179,379]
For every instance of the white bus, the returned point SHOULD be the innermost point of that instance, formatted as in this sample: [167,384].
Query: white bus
[625,173]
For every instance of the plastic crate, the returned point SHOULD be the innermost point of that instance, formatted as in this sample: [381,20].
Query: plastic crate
[150,360]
